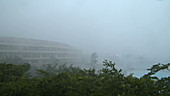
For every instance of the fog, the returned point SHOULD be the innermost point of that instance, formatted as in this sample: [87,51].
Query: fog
[107,27]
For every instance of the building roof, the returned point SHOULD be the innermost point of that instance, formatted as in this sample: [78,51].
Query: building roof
[14,40]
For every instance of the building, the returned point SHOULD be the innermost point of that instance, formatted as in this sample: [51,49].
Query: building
[37,51]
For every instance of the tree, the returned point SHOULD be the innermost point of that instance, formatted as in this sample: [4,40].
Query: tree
[12,60]
[11,72]
[93,59]
[73,81]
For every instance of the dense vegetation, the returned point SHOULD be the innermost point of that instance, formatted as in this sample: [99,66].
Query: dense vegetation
[65,80]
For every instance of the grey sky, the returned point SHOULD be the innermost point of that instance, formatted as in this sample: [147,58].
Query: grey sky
[103,26]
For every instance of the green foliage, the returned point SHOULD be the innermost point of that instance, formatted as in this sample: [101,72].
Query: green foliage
[11,72]
[93,58]
[13,60]
[156,68]
[54,80]
[54,69]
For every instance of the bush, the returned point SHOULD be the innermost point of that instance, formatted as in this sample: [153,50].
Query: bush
[73,81]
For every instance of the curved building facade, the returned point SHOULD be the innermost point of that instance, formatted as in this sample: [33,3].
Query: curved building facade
[37,51]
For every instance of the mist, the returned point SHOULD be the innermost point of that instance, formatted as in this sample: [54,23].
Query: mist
[135,28]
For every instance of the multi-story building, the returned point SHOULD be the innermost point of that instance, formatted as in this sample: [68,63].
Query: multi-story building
[37,51]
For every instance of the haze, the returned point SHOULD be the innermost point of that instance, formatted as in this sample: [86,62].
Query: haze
[107,27]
